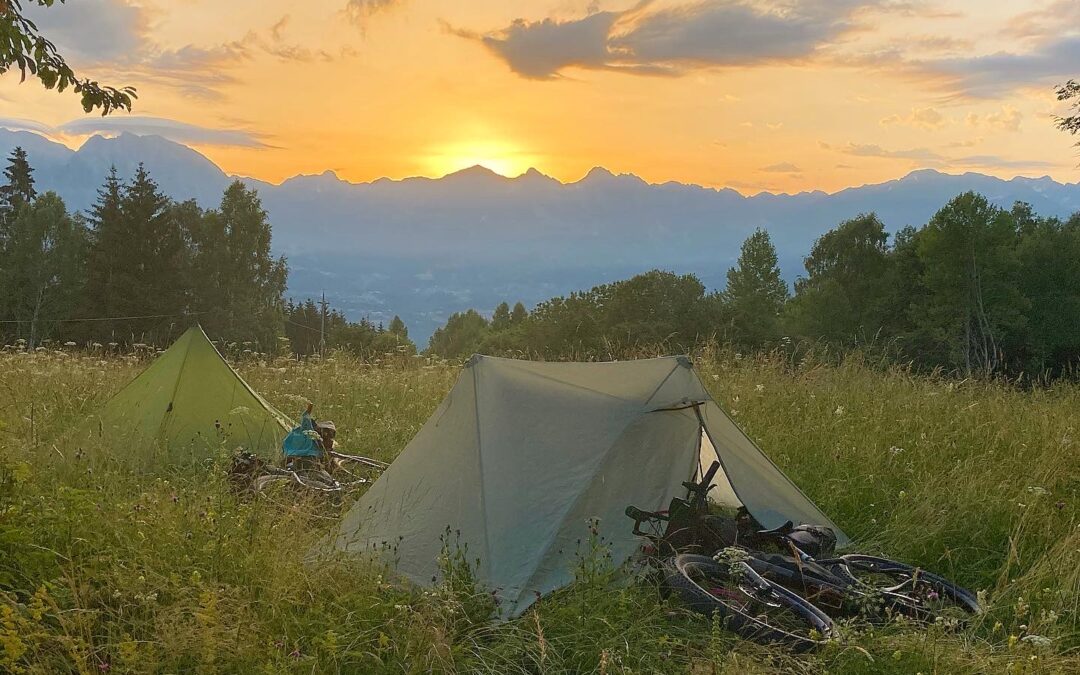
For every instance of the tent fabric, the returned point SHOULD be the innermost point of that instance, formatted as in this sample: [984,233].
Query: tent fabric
[190,401]
[521,456]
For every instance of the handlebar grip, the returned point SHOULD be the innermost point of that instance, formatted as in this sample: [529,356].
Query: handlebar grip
[636,514]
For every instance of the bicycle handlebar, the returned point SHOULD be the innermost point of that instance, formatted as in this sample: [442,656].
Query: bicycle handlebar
[639,516]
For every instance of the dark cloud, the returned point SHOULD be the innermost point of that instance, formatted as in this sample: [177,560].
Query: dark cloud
[994,75]
[91,31]
[673,40]
[541,49]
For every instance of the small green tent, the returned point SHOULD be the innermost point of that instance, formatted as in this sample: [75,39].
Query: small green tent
[189,401]
[521,455]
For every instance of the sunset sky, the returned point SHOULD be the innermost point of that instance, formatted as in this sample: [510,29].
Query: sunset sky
[778,95]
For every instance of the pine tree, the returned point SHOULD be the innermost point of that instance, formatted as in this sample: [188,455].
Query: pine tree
[104,290]
[755,292]
[398,327]
[500,319]
[253,281]
[18,188]
[519,314]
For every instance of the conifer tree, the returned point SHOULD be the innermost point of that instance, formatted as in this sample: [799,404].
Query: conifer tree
[18,188]
[500,319]
[755,292]
[519,314]
[398,327]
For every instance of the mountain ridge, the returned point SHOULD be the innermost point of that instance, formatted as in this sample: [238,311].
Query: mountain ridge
[424,247]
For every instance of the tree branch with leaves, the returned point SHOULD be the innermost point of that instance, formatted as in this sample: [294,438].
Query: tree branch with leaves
[1070,91]
[22,46]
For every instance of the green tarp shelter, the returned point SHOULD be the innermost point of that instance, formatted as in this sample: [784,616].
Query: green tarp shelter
[520,455]
[190,402]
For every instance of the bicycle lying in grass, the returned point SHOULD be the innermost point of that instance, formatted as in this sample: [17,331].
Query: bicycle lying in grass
[719,565]
[249,473]
[746,602]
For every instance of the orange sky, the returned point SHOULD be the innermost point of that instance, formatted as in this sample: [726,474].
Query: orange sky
[779,95]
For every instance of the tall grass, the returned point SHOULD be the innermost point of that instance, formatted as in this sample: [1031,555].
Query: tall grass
[108,567]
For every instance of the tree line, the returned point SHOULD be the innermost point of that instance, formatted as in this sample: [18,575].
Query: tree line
[978,289]
[312,329]
[140,267]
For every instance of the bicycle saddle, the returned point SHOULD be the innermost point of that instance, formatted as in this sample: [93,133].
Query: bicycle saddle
[784,529]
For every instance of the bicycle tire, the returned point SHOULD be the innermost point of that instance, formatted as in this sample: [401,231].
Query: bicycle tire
[733,602]
[921,584]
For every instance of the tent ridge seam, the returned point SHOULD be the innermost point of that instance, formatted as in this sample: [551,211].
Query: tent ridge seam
[480,465]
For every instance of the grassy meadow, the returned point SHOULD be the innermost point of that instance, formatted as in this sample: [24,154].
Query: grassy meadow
[108,565]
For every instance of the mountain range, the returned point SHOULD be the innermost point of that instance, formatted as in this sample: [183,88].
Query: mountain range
[426,247]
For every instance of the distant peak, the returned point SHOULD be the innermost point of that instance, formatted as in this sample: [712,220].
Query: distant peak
[474,171]
[600,175]
[535,176]
[924,173]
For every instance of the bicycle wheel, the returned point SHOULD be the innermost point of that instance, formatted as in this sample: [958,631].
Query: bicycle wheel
[749,605]
[922,594]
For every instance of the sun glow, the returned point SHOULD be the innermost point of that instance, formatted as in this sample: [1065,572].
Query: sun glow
[501,157]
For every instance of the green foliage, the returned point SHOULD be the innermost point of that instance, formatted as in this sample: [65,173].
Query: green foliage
[42,267]
[238,284]
[18,189]
[973,310]
[22,46]
[398,327]
[460,337]
[755,293]
[138,266]
[519,314]
[1067,92]
[842,299]
[304,326]
[163,570]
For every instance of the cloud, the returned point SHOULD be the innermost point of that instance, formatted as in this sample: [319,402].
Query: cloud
[20,124]
[930,158]
[782,167]
[1048,21]
[1008,119]
[994,75]
[872,150]
[359,11]
[999,162]
[671,40]
[91,30]
[112,38]
[174,130]
[923,118]
[541,49]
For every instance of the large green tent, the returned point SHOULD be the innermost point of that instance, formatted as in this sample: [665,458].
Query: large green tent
[521,455]
[189,402]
